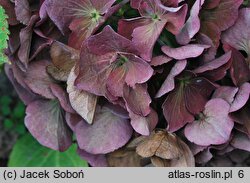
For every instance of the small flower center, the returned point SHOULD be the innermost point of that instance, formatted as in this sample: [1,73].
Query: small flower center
[184,81]
[200,117]
[155,17]
[95,15]
[121,61]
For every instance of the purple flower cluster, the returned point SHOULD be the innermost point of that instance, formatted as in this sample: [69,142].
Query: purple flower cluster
[145,82]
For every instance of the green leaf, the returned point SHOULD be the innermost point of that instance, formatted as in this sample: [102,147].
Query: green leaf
[5,100]
[27,152]
[168,39]
[5,110]
[20,128]
[4,32]
[246,2]
[19,110]
[8,124]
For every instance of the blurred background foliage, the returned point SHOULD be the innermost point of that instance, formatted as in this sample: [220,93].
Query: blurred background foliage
[17,147]
[12,110]
[11,123]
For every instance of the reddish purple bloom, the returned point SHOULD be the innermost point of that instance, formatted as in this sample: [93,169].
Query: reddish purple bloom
[146,29]
[108,62]
[129,81]
[237,37]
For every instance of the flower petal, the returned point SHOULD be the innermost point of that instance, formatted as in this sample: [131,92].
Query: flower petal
[109,41]
[45,121]
[124,157]
[240,72]
[238,35]
[160,60]
[145,37]
[183,52]
[175,111]
[39,83]
[63,59]
[56,10]
[161,144]
[98,160]
[116,81]
[242,117]
[214,128]
[241,141]
[127,26]
[144,125]
[176,19]
[93,72]
[210,4]
[108,133]
[169,83]
[23,11]
[226,92]
[192,25]
[241,97]
[219,19]
[137,99]
[136,65]
[62,96]
[72,120]
[83,102]
[214,64]
[10,11]
[25,41]
[197,93]
[24,93]
[83,24]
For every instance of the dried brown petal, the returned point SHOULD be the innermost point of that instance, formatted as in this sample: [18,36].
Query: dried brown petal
[150,145]
[63,59]
[135,142]
[56,73]
[159,162]
[166,150]
[83,102]
[124,158]
[187,158]
[161,144]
